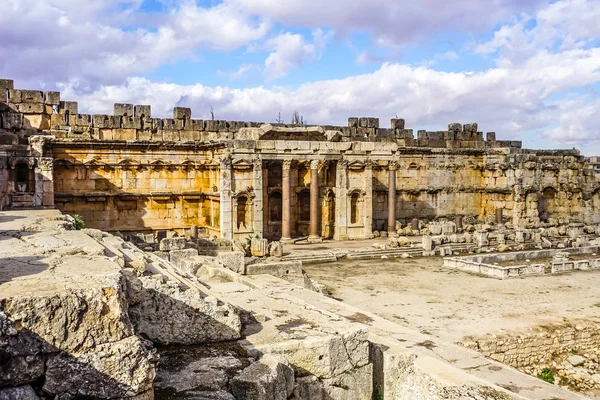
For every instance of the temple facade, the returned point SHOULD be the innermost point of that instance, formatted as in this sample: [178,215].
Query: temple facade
[131,172]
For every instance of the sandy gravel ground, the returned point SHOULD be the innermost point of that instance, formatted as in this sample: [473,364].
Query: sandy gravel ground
[420,294]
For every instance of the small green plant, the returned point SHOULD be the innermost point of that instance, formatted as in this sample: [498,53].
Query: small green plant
[546,375]
[377,396]
[79,222]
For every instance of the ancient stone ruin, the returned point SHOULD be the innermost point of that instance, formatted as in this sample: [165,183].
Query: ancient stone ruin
[180,286]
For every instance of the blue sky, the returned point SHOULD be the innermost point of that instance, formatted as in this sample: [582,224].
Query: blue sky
[526,69]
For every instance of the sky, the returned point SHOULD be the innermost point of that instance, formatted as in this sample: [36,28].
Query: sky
[526,69]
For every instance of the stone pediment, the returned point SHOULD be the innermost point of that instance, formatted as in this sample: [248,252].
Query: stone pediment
[243,164]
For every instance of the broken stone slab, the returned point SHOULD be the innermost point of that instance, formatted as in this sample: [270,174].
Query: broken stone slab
[324,357]
[167,313]
[119,369]
[193,264]
[291,271]
[233,260]
[176,257]
[270,378]
[169,244]
[355,384]
[275,249]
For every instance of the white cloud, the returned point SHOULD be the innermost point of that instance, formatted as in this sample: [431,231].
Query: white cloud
[391,23]
[83,42]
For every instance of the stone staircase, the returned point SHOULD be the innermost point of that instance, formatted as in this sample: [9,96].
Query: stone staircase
[22,200]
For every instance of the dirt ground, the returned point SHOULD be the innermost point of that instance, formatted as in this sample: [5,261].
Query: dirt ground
[420,294]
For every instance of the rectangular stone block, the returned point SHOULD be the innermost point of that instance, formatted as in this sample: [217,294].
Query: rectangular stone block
[190,136]
[12,120]
[14,95]
[30,108]
[259,247]
[490,136]
[84,120]
[36,121]
[455,127]
[368,122]
[233,260]
[32,96]
[177,243]
[352,122]
[169,123]
[170,135]
[234,126]
[182,113]
[52,98]
[121,109]
[70,107]
[131,122]
[7,84]
[211,125]
[194,125]
[57,121]
[178,256]
[470,128]
[142,111]
[105,121]
[398,123]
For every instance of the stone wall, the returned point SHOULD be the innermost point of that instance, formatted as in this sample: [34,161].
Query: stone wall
[130,171]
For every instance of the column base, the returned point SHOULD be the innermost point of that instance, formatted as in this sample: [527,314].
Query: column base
[315,239]
[286,240]
[393,234]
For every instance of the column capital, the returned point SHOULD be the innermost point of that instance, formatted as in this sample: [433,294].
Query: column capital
[393,165]
[258,163]
[226,162]
[286,164]
[369,165]
[314,164]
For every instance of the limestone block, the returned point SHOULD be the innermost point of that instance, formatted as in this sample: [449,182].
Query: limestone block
[435,228]
[448,228]
[490,136]
[142,111]
[233,260]
[194,125]
[177,243]
[259,247]
[368,122]
[324,357]
[52,98]
[308,388]
[481,238]
[30,108]
[80,120]
[37,121]
[193,264]
[470,128]
[352,122]
[169,124]
[356,384]
[167,313]
[455,127]
[427,243]
[275,249]
[117,369]
[182,113]
[105,121]
[70,107]
[32,96]
[12,120]
[122,110]
[270,378]
[177,256]
[131,122]
[397,123]
[14,95]
[7,84]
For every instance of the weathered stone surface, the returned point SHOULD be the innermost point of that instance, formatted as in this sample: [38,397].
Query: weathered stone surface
[233,260]
[118,369]
[168,244]
[259,247]
[270,378]
[169,314]
[177,257]
[356,384]
[18,393]
[275,249]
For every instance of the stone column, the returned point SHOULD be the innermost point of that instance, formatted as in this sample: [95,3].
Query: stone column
[226,207]
[286,223]
[313,231]
[341,201]
[368,205]
[44,182]
[257,220]
[392,199]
